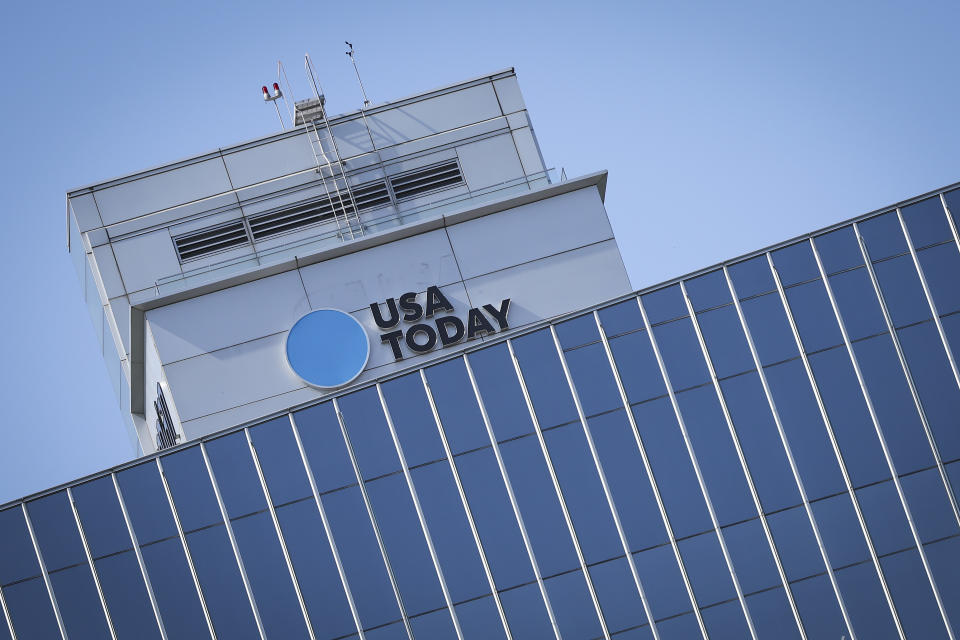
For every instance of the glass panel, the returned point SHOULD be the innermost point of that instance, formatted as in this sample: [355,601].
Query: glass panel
[940,266]
[618,595]
[725,621]
[806,433]
[538,503]
[865,602]
[847,409]
[760,442]
[902,291]
[368,433]
[680,628]
[502,397]
[210,548]
[935,384]
[628,481]
[839,250]
[926,221]
[437,624]
[681,354]
[708,291]
[929,505]
[840,530]
[672,468]
[30,610]
[716,455]
[769,329]
[593,379]
[664,304]
[324,447]
[883,236]
[162,551]
[572,607]
[795,263]
[637,365]
[395,631]
[116,564]
[912,595]
[457,406]
[621,317]
[751,557]
[707,569]
[797,546]
[413,420]
[526,613]
[726,344]
[280,461]
[752,277]
[952,204]
[496,524]
[479,619]
[543,376]
[771,614]
[577,331]
[858,303]
[818,607]
[659,567]
[18,560]
[943,557]
[814,316]
[886,520]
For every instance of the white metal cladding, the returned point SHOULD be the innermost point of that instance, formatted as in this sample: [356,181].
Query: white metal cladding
[608,354]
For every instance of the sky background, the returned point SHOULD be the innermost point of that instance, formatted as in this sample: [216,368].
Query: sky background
[724,126]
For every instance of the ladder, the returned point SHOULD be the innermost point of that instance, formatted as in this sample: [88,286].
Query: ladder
[325,168]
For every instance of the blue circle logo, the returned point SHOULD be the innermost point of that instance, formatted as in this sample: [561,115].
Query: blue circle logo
[327,348]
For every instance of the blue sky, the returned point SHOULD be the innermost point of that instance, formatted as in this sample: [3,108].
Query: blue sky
[725,127]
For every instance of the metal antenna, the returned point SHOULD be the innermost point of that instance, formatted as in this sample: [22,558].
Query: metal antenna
[366,102]
[285,81]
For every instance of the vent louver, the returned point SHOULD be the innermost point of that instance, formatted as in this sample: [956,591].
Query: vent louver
[208,241]
[421,181]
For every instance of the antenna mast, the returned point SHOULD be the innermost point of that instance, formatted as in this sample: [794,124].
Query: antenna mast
[366,102]
[268,97]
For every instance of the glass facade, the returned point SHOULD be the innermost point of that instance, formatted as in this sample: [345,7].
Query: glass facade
[769,449]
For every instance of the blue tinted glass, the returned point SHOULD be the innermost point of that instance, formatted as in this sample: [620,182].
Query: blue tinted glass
[943,557]
[716,455]
[664,304]
[814,316]
[840,530]
[760,442]
[751,556]
[174,589]
[926,222]
[368,433]
[621,317]
[637,366]
[726,343]
[818,607]
[190,487]
[865,602]
[236,475]
[101,517]
[280,461]
[405,544]
[796,543]
[18,560]
[56,531]
[316,572]
[848,414]
[681,354]
[886,521]
[544,378]
[479,619]
[502,397]
[902,291]
[672,469]
[126,596]
[771,614]
[146,503]
[896,412]
[78,603]
[324,447]
[577,331]
[628,481]
[526,614]
[618,594]
[395,631]
[659,567]
[940,266]
[769,329]
[839,250]
[637,633]
[572,606]
[30,610]
[953,205]
[583,493]
[494,517]
[951,330]
[706,568]
[457,406]
[538,503]
[593,379]
[912,595]
[935,384]
[806,434]
[795,263]
[929,505]
[450,531]
[708,291]
[883,236]
[361,557]
[679,628]
[752,277]
[858,303]
[725,621]
[413,420]
[438,624]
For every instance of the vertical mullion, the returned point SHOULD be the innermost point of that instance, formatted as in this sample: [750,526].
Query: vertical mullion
[743,461]
[326,528]
[43,571]
[882,439]
[139,555]
[93,568]
[836,450]
[950,223]
[907,374]
[556,487]
[513,498]
[603,481]
[930,301]
[420,517]
[186,549]
[6,616]
[373,520]
[283,542]
[696,467]
[466,507]
[649,470]
[786,445]
[233,542]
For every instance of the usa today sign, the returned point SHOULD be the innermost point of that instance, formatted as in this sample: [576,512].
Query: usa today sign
[329,348]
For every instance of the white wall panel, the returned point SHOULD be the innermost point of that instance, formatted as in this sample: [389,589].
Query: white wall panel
[109,273]
[85,211]
[120,308]
[146,258]
[508,90]
[528,150]
[489,162]
[271,160]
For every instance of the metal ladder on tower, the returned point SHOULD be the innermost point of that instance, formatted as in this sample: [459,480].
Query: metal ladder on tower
[337,204]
